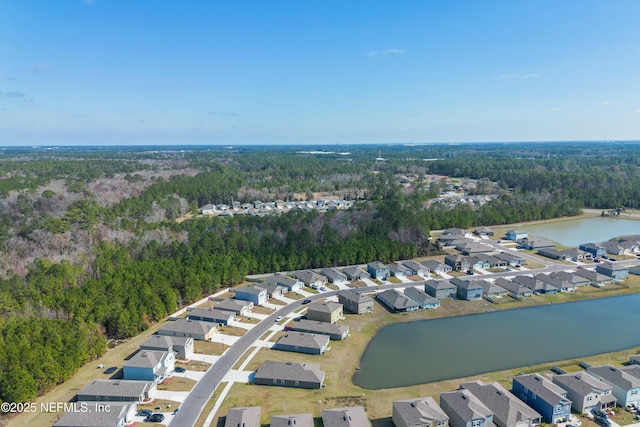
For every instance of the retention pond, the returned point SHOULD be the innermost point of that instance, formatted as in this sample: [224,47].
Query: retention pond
[426,351]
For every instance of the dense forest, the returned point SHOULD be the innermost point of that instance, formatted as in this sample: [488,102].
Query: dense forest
[94,244]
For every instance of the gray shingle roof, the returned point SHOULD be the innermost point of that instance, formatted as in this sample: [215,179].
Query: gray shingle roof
[543,388]
[92,418]
[357,297]
[232,305]
[290,371]
[419,296]
[465,404]
[164,341]
[324,307]
[321,327]
[293,420]
[243,417]
[251,290]
[303,339]
[507,409]
[211,314]
[419,412]
[581,382]
[116,388]
[439,284]
[187,326]
[146,359]
[345,417]
[621,377]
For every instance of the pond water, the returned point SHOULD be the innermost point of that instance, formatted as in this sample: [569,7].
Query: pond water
[588,230]
[433,350]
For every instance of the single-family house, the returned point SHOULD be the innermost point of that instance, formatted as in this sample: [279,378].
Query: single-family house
[420,412]
[548,399]
[552,253]
[624,384]
[113,414]
[491,290]
[483,231]
[273,290]
[537,286]
[213,315]
[511,259]
[507,409]
[325,311]
[595,279]
[421,297]
[243,417]
[288,282]
[333,330]
[457,262]
[148,365]
[613,248]
[535,243]
[302,342]
[355,302]
[289,374]
[630,244]
[493,261]
[334,276]
[451,240]
[416,268]
[515,289]
[465,410]
[613,269]
[196,329]
[477,263]
[252,293]
[293,420]
[455,232]
[116,391]
[355,273]
[593,249]
[575,254]
[586,392]
[467,289]
[378,270]
[397,302]
[239,307]
[436,267]
[472,248]
[440,289]
[516,235]
[398,270]
[345,417]
[574,279]
[554,282]
[310,278]
[208,209]
[182,346]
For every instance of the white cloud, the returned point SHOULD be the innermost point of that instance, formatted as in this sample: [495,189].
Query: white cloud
[385,52]
[530,76]
[608,102]
[553,108]
[637,110]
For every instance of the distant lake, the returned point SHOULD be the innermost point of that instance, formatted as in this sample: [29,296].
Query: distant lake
[588,230]
[426,351]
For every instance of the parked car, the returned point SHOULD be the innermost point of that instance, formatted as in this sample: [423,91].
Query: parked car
[279,318]
[307,301]
[111,370]
[599,413]
[179,369]
[612,259]
[602,421]
[144,412]
[155,418]
[470,272]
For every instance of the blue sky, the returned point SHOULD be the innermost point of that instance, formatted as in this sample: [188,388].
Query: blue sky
[97,72]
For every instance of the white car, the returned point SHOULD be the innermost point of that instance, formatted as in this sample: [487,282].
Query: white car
[279,318]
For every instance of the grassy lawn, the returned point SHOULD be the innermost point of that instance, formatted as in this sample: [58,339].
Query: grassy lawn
[209,348]
[234,331]
[394,280]
[263,310]
[243,358]
[194,365]
[276,302]
[176,384]
[358,284]
[209,406]
[248,319]
[164,405]
[295,295]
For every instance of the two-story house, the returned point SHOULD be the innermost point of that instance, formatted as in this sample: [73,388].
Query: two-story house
[546,398]
[465,410]
[149,365]
[624,382]
[586,392]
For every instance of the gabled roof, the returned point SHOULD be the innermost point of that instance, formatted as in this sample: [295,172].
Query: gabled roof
[308,276]
[187,326]
[454,231]
[354,271]
[593,276]
[464,404]
[279,279]
[232,305]
[302,339]
[465,284]
[164,341]
[251,290]
[377,265]
[419,296]
[543,388]
[490,288]
[333,274]
[293,420]
[581,382]
[622,377]
[146,359]
[412,265]
[290,371]
[357,297]
[512,286]
[243,417]
[345,417]
[324,307]
[211,313]
[396,300]
[116,388]
[569,277]
[320,327]
[439,284]
[95,418]
[421,412]
[505,406]
[433,265]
